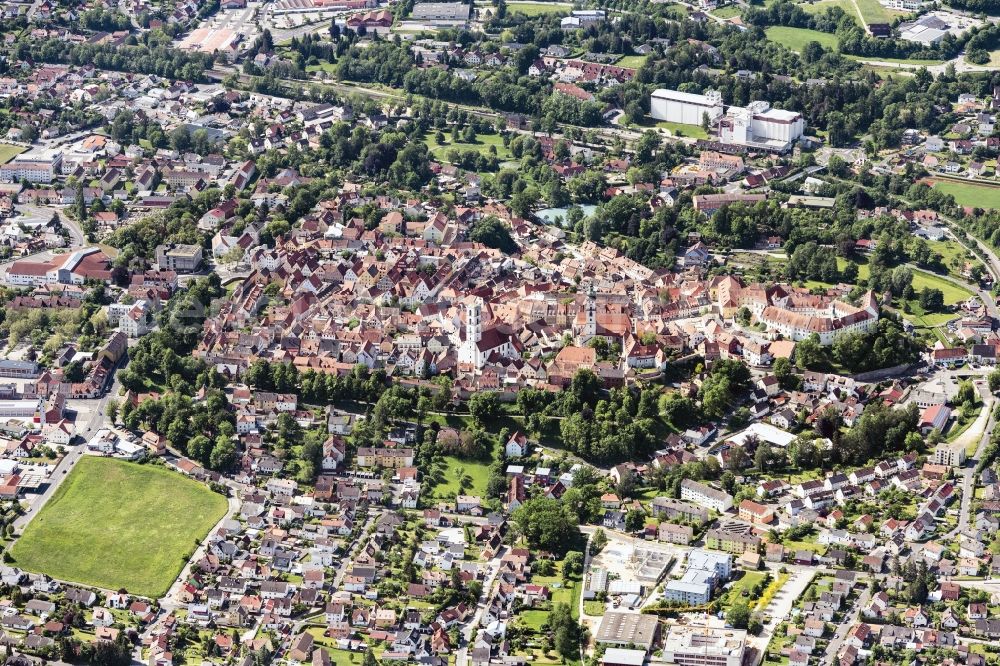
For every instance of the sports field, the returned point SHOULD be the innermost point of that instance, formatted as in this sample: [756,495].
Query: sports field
[116,524]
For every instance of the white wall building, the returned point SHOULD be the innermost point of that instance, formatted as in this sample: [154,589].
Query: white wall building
[694,645]
[759,124]
[686,108]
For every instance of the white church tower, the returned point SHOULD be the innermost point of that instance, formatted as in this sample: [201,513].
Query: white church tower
[469,351]
[591,329]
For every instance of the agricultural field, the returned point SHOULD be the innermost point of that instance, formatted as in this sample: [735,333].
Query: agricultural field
[114,524]
[796,39]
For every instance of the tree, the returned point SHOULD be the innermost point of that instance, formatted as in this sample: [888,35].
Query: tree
[572,564]
[80,205]
[966,393]
[994,380]
[931,300]
[565,631]
[810,355]
[492,232]
[598,541]
[782,369]
[738,615]
[223,454]
[635,520]
[484,406]
[547,524]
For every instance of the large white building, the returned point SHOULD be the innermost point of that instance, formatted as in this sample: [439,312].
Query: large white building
[757,124]
[707,496]
[704,645]
[36,167]
[686,108]
[706,570]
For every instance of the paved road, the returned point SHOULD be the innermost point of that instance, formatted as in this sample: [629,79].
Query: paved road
[838,640]
[69,461]
[469,629]
[780,607]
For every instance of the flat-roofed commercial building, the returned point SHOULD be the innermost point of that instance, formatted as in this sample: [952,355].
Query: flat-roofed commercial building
[441,12]
[179,258]
[701,645]
[622,629]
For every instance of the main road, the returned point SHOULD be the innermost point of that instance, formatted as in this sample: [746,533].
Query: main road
[96,421]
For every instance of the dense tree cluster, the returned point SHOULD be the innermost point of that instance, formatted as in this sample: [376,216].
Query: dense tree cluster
[492,232]
[548,524]
[138,58]
[884,347]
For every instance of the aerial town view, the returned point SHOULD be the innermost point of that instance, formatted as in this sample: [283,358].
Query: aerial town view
[500,332]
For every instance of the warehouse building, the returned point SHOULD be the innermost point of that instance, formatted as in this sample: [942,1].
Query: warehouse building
[675,106]
[624,629]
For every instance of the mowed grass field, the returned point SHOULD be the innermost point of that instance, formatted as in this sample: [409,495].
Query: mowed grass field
[116,524]
[482,145]
[538,8]
[796,39]
[632,61]
[873,12]
[8,152]
[822,5]
[970,194]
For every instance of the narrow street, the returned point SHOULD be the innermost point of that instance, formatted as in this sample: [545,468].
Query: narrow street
[833,649]
[469,630]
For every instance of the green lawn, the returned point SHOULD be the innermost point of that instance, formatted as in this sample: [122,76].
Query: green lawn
[797,38]
[970,194]
[873,12]
[538,8]
[995,58]
[322,67]
[533,619]
[116,524]
[632,61]
[680,129]
[745,584]
[727,12]
[8,152]
[482,145]
[953,293]
[454,469]
[594,607]
[950,251]
[822,5]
